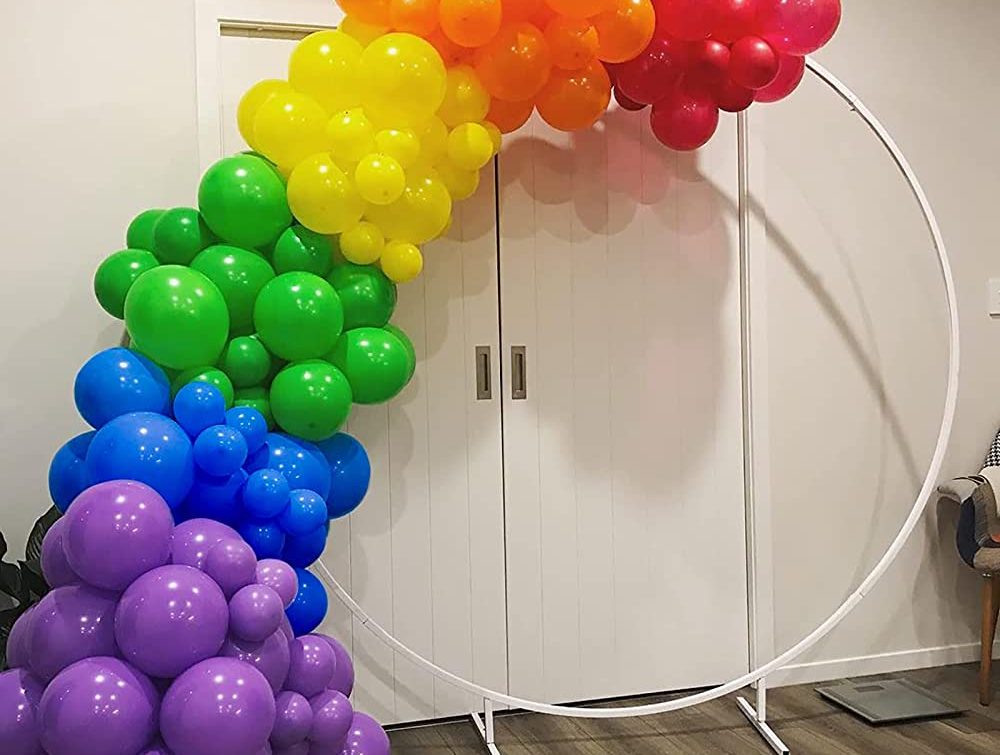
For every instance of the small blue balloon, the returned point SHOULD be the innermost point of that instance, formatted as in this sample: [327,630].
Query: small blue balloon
[118,381]
[266,494]
[250,423]
[145,447]
[302,551]
[305,512]
[220,450]
[68,471]
[266,538]
[198,406]
[350,474]
[215,498]
[300,461]
[309,608]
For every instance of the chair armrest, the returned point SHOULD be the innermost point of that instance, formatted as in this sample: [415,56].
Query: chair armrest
[958,489]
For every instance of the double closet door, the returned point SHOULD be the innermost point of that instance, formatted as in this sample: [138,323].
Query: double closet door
[556,509]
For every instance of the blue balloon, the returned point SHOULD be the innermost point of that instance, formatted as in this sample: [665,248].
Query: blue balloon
[146,447]
[266,494]
[266,538]
[302,551]
[215,498]
[68,471]
[350,473]
[300,461]
[118,381]
[220,450]
[250,423]
[198,406]
[309,608]
[305,512]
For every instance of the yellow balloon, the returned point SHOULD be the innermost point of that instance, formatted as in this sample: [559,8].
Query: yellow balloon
[290,127]
[380,179]
[401,261]
[495,135]
[362,244]
[324,66]
[256,96]
[466,99]
[404,80]
[461,183]
[362,32]
[400,143]
[433,141]
[350,135]
[418,216]
[322,196]
[470,146]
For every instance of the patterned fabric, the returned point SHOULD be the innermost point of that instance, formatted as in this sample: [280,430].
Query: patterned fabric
[993,456]
[984,503]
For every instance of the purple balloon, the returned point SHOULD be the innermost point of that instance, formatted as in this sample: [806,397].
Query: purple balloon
[98,705]
[286,628]
[55,567]
[293,720]
[117,531]
[170,619]
[17,642]
[332,719]
[157,748]
[69,624]
[195,538]
[255,613]
[232,564]
[280,577]
[343,675]
[270,657]
[302,748]
[366,737]
[312,665]
[20,694]
[221,706]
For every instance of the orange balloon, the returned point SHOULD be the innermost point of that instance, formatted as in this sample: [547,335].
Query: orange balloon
[573,42]
[625,30]
[509,116]
[574,100]
[375,12]
[579,8]
[452,54]
[521,10]
[470,23]
[516,64]
[418,17]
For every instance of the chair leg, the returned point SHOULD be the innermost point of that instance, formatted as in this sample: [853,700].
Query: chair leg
[991,608]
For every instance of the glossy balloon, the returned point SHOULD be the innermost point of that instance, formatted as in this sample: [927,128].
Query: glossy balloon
[362,244]
[350,135]
[324,66]
[251,102]
[380,179]
[195,538]
[289,127]
[280,577]
[686,119]
[20,729]
[211,376]
[251,424]
[510,116]
[239,275]
[367,295]
[255,613]
[269,657]
[573,42]
[293,720]
[310,399]
[737,19]
[332,719]
[312,665]
[258,399]
[343,675]
[798,27]
[574,100]
[117,381]
[243,201]
[322,197]
[213,497]
[116,275]
[732,97]
[420,214]
[301,463]
[140,230]
[625,29]
[401,144]
[654,74]
[179,234]
[306,512]
[411,352]
[754,63]
[366,737]
[404,80]
[466,99]
[300,249]
[18,641]
[470,23]
[220,451]
[375,363]
[350,472]
[232,564]
[791,69]
[55,566]
[69,624]
[266,538]
[245,361]
[298,316]
[470,146]
[302,551]
[690,20]
[310,605]
[402,262]
[515,65]
[199,405]
[68,476]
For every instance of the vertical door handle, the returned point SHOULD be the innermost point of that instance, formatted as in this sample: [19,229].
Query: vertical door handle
[519,373]
[484,376]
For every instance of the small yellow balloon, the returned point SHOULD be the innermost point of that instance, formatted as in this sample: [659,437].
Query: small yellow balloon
[495,135]
[461,183]
[362,32]
[470,146]
[380,179]
[404,80]
[290,127]
[418,216]
[402,144]
[322,196]
[256,96]
[402,261]
[324,66]
[350,135]
[466,99]
[362,244]
[433,141]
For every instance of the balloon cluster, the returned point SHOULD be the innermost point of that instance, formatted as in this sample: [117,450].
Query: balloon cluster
[159,640]
[235,294]
[712,55]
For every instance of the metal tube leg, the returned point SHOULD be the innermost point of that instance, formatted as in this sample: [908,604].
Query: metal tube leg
[484,725]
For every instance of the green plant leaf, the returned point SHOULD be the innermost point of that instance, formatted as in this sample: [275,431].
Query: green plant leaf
[10,580]
[32,579]
[33,548]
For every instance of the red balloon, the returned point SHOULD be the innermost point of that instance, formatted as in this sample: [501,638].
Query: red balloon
[791,69]
[710,61]
[652,75]
[690,20]
[753,63]
[732,97]
[625,103]
[798,27]
[686,119]
[737,19]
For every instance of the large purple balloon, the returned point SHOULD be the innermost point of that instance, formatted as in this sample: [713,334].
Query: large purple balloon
[170,619]
[280,577]
[221,706]
[270,657]
[332,719]
[293,720]
[55,567]
[196,537]
[69,624]
[312,665]
[343,675]
[20,694]
[232,564]
[17,642]
[117,531]
[366,737]
[302,748]
[255,613]
[157,748]
[99,705]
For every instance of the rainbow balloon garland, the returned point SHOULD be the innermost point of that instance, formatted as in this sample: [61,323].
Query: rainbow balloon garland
[183,615]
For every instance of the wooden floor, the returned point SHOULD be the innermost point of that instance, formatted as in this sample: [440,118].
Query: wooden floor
[807,724]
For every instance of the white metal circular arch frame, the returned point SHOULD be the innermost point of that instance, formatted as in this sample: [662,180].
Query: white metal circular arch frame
[926,490]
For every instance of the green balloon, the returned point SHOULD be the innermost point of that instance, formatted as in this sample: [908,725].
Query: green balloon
[140,230]
[177,316]
[408,345]
[243,200]
[298,248]
[211,375]
[310,399]
[367,295]
[376,363]
[256,398]
[240,275]
[116,275]
[246,362]
[179,235]
[298,316]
